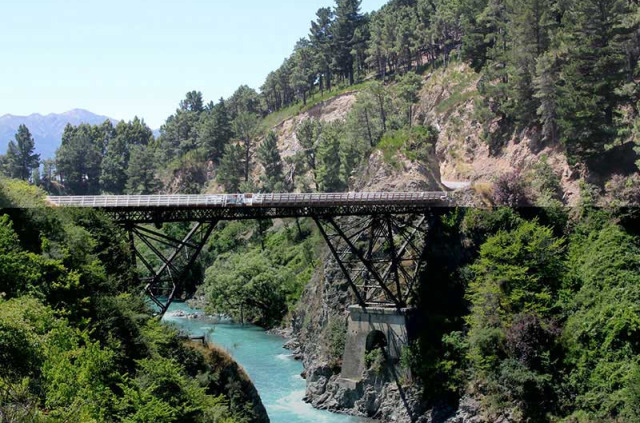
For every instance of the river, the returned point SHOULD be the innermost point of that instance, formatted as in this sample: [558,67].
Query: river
[274,372]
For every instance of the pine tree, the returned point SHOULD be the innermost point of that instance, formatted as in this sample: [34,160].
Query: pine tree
[113,177]
[141,178]
[179,134]
[530,22]
[215,131]
[320,36]
[308,133]
[231,170]
[329,166]
[270,159]
[546,92]
[478,30]
[48,175]
[79,158]
[244,99]
[303,76]
[407,89]
[364,121]
[595,68]
[21,159]
[348,19]
[494,84]
[377,56]
[193,102]
[135,132]
[4,168]
[245,126]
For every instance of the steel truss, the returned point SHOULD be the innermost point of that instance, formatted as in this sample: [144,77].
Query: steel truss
[379,249]
[167,260]
[182,214]
[380,255]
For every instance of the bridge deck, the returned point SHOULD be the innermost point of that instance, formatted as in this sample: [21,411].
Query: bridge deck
[251,200]
[137,209]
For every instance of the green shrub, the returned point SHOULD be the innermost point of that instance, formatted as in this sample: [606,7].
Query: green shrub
[337,337]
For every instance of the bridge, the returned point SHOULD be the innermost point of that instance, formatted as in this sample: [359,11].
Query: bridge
[377,240]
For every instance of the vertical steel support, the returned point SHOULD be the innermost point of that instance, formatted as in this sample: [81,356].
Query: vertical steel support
[345,272]
[191,246]
[380,259]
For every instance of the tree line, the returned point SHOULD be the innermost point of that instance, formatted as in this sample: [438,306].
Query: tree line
[566,67]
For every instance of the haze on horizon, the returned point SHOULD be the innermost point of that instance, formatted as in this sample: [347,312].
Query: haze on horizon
[126,59]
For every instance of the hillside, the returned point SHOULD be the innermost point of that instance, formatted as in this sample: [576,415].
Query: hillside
[527,310]
[46,129]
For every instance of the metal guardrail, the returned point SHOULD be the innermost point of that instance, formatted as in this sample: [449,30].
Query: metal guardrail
[249,200]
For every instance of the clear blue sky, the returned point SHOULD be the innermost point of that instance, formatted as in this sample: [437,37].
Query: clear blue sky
[123,58]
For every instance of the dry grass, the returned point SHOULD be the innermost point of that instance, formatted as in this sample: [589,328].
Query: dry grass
[484,191]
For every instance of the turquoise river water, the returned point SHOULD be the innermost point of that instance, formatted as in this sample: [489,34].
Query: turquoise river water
[272,369]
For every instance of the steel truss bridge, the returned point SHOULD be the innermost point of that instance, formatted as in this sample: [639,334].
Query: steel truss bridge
[377,239]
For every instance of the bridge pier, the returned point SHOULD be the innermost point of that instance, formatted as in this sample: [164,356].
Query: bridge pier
[370,328]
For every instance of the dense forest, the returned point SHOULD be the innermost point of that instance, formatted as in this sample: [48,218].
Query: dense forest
[535,313]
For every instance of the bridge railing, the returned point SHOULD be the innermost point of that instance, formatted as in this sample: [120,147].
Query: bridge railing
[249,200]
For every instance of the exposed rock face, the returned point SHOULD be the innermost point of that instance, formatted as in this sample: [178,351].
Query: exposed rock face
[335,108]
[463,153]
[377,175]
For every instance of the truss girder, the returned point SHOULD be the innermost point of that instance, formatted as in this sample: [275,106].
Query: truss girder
[171,215]
[166,260]
[380,256]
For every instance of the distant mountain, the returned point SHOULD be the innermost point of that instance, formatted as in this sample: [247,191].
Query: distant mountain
[46,130]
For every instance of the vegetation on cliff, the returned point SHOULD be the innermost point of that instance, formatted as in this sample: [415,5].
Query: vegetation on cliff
[535,317]
[77,341]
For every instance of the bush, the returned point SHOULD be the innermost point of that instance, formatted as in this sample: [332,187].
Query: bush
[336,333]
[513,297]
[510,190]
[624,191]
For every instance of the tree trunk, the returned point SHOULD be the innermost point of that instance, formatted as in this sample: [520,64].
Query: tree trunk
[247,158]
[299,227]
[366,118]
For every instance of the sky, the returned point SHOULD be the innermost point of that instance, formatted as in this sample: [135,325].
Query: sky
[126,58]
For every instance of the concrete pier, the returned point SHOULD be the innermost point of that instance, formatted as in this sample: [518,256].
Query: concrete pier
[367,329]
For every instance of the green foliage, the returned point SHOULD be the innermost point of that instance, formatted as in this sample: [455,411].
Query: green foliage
[215,131]
[141,177]
[20,159]
[231,169]
[408,88]
[596,66]
[259,279]
[328,173]
[603,318]
[416,143]
[117,154]
[337,337]
[269,158]
[513,298]
[77,342]
[79,157]
[375,360]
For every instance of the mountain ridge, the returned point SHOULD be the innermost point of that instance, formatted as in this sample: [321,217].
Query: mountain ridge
[47,129]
